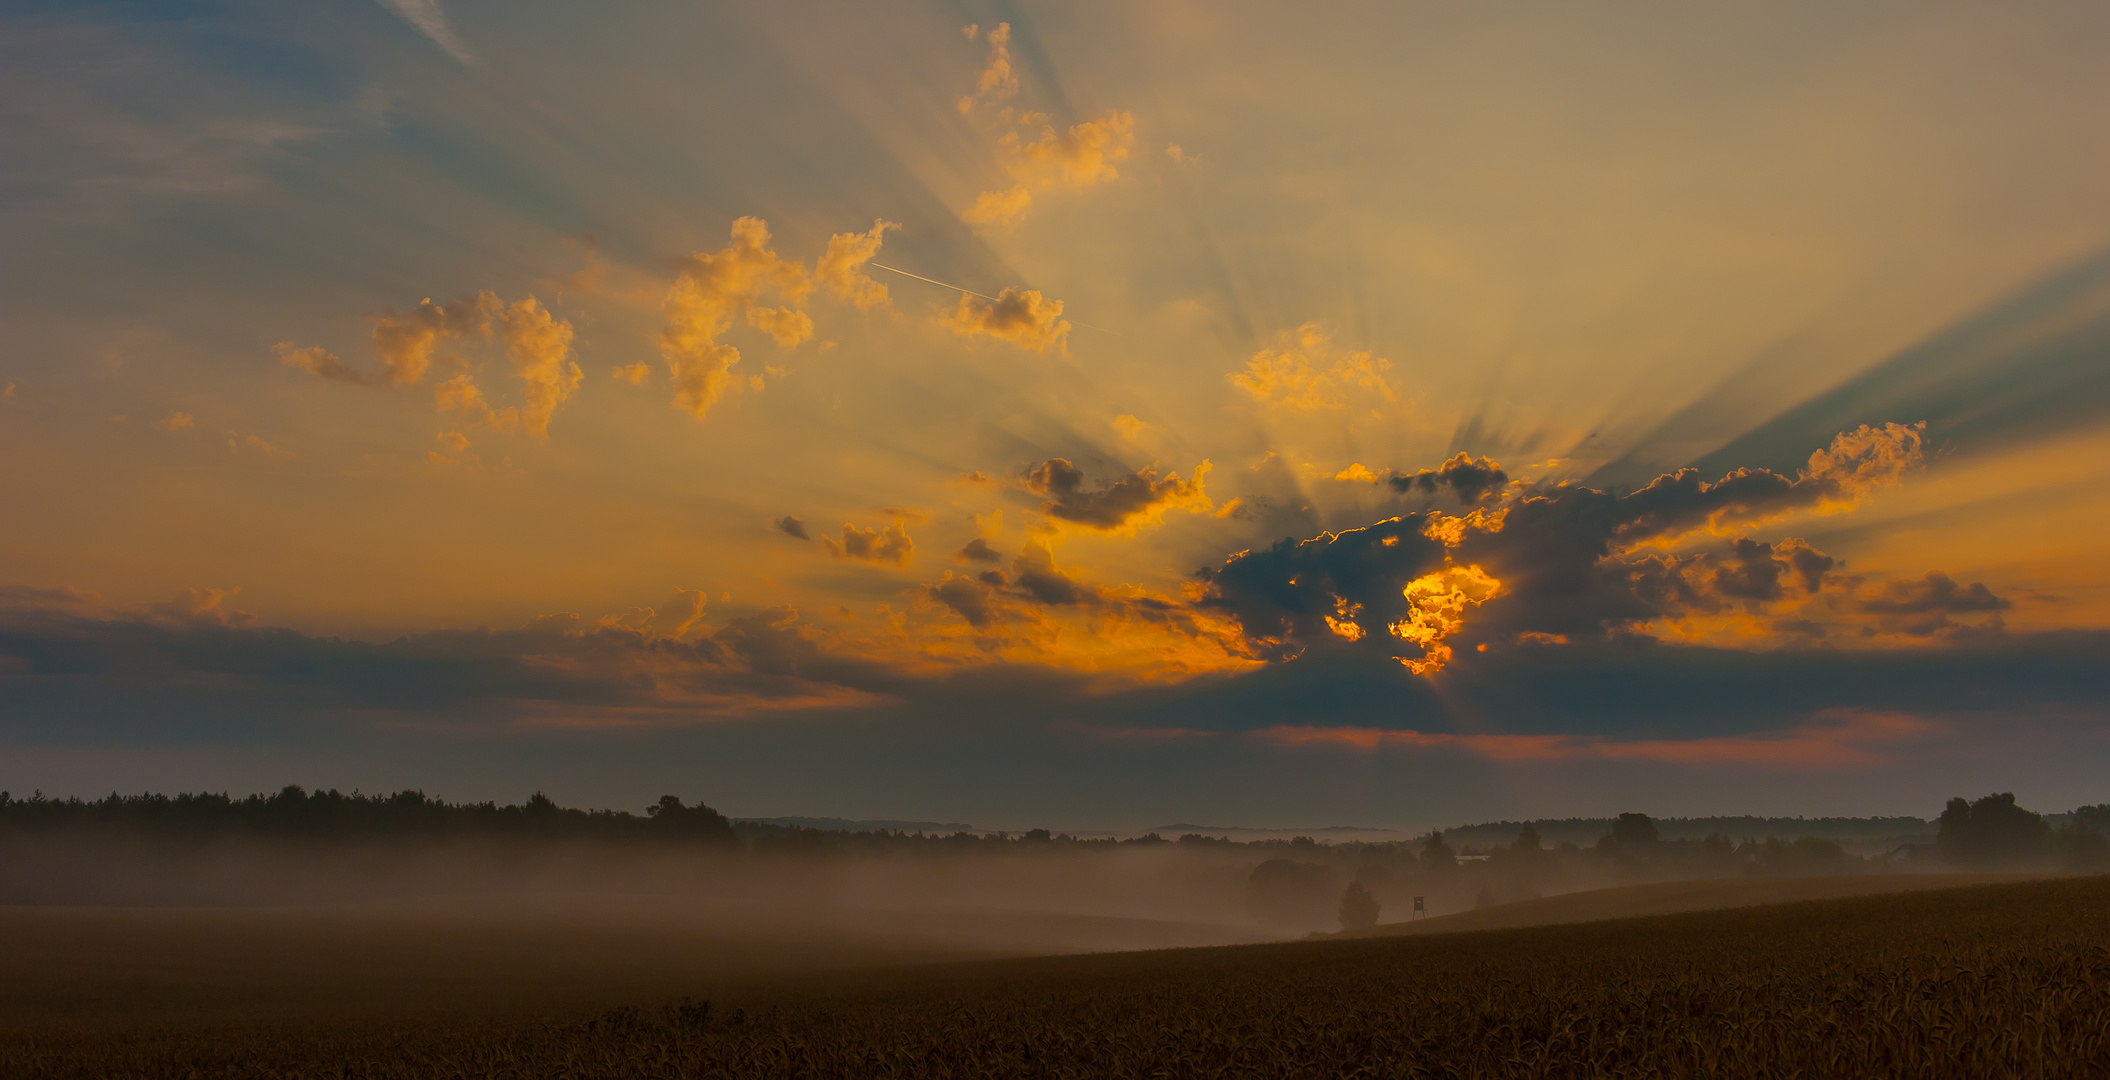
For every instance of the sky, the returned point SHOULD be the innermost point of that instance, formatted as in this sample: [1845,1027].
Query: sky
[1090,415]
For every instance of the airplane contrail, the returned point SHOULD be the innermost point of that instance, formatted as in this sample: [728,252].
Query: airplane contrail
[934,281]
[971,292]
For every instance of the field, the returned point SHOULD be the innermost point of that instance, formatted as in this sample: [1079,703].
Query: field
[2009,979]
[1674,897]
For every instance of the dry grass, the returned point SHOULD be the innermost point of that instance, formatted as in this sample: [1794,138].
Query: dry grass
[1990,981]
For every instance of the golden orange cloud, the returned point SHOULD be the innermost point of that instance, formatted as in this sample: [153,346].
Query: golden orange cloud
[841,267]
[1003,208]
[1022,317]
[540,349]
[405,342]
[1085,154]
[884,544]
[1138,498]
[714,290]
[316,361]
[1436,604]
[1306,373]
[997,81]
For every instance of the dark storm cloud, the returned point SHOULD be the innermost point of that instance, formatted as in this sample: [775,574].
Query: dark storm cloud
[1574,562]
[647,665]
[973,599]
[790,525]
[1935,593]
[1470,479]
[1033,570]
[1112,505]
[1637,688]
[977,550]
[1283,595]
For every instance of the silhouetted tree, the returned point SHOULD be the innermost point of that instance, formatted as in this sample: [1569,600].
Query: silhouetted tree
[1358,908]
[1634,832]
[699,822]
[1808,855]
[1990,832]
[2092,819]
[1437,855]
[1528,840]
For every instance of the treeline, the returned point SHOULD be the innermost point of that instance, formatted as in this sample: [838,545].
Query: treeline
[1993,831]
[1584,832]
[1989,832]
[296,814]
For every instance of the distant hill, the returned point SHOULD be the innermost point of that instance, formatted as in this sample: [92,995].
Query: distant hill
[1850,832]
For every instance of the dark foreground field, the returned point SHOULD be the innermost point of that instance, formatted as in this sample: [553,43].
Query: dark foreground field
[1989,981]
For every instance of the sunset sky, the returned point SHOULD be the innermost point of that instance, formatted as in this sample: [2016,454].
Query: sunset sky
[1093,415]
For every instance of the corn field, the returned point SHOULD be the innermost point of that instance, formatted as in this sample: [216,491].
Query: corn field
[1996,981]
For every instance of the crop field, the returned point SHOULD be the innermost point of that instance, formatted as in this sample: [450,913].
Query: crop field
[1986,981]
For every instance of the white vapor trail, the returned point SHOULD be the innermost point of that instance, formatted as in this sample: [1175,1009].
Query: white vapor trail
[432,22]
[971,292]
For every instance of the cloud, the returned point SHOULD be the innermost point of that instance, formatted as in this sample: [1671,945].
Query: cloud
[317,361]
[790,525]
[634,374]
[972,599]
[1835,739]
[840,268]
[198,607]
[177,421]
[454,442]
[1554,563]
[1087,153]
[713,291]
[1179,156]
[997,82]
[1022,317]
[1285,596]
[890,543]
[540,349]
[461,394]
[978,550]
[1307,374]
[238,443]
[430,21]
[1081,156]
[1004,208]
[406,342]
[538,345]
[1470,479]
[1140,497]
[1935,593]
[1033,570]
[196,656]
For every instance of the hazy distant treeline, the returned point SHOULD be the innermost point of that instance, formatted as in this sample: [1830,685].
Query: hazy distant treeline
[293,813]
[1992,830]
